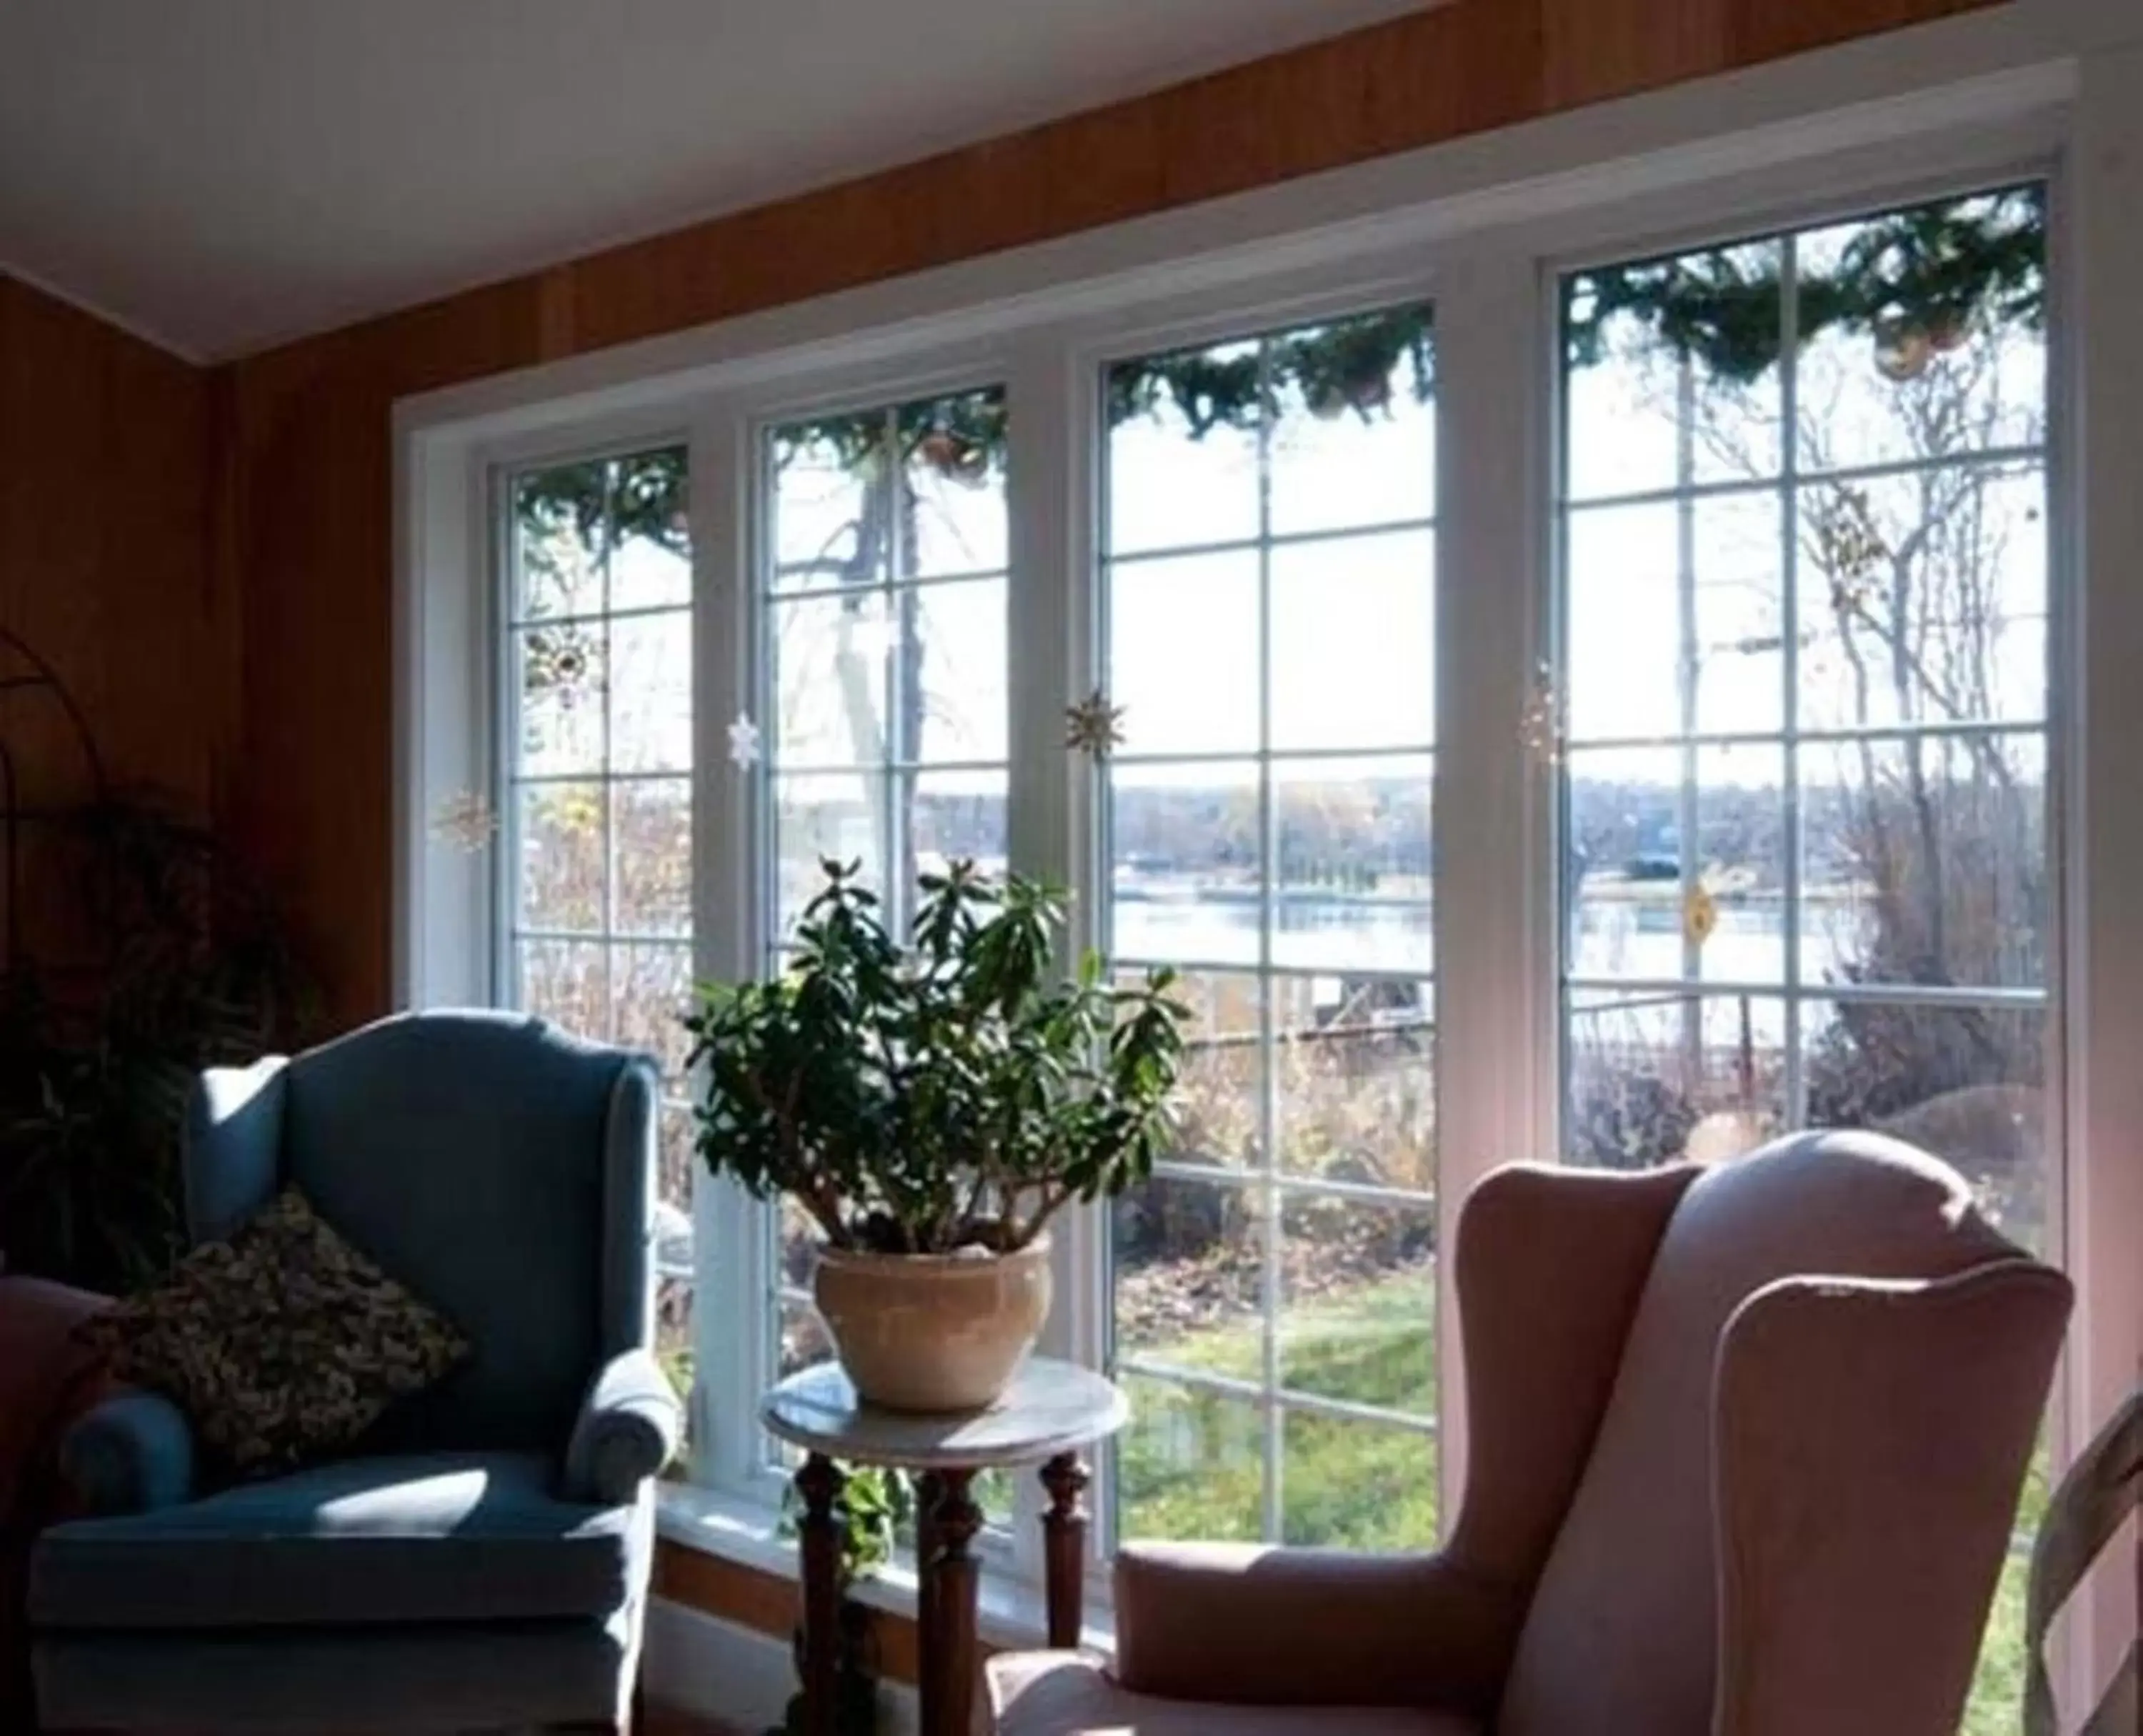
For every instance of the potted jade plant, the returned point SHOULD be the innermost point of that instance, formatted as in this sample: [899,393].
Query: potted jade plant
[932,1106]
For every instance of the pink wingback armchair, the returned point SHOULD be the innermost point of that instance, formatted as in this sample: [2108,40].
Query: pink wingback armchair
[1746,1448]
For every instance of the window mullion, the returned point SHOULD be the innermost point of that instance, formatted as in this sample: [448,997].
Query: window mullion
[1789,664]
[1050,796]
[1688,817]
[894,744]
[732,1244]
[1494,870]
[499,703]
[606,662]
[1270,1300]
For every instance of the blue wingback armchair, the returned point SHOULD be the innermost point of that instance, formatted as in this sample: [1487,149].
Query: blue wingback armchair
[480,1561]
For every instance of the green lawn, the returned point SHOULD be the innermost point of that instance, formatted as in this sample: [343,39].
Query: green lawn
[1997,1693]
[1192,1463]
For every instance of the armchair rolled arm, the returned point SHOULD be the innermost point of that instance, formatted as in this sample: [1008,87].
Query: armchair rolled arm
[629,1428]
[1903,1412]
[131,1452]
[1266,1626]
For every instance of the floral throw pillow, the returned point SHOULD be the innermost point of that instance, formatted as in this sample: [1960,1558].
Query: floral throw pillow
[282,1345]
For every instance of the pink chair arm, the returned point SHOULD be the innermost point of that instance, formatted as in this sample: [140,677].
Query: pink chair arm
[1268,1626]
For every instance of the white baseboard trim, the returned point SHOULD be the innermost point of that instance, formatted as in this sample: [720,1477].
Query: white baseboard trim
[700,1663]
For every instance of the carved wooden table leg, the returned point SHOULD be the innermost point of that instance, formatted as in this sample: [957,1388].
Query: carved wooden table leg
[819,1483]
[1064,1546]
[929,1490]
[947,1611]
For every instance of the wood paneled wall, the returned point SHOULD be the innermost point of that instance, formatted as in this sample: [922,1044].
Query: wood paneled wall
[105,540]
[774,1605]
[308,460]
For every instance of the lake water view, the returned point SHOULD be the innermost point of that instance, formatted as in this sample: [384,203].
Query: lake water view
[1617,937]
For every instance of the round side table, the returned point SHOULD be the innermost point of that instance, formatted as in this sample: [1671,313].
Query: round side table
[1051,1410]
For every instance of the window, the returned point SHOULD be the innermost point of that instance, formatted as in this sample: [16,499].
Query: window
[884,605]
[1808,854]
[1808,863]
[597,806]
[1787,851]
[1271,503]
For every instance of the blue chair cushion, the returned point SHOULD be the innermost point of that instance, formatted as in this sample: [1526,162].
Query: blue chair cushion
[448,1537]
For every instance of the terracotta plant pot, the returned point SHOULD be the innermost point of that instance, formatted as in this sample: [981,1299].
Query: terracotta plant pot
[933,1332]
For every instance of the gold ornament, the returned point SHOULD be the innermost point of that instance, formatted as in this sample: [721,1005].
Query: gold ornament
[744,745]
[1094,725]
[1700,915]
[1902,351]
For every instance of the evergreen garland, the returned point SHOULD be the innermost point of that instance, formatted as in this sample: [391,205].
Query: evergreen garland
[1910,279]
[1926,273]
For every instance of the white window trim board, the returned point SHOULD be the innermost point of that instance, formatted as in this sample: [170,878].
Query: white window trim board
[2100,262]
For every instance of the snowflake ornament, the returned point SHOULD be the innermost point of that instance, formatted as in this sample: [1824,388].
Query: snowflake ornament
[1539,723]
[465,820]
[744,742]
[1094,725]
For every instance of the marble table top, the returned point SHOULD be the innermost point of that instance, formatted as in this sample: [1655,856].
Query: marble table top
[1051,1407]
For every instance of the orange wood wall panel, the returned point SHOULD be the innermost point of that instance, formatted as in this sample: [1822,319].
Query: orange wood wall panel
[310,473]
[769,1603]
[1761,30]
[307,436]
[105,573]
[104,564]
[1612,46]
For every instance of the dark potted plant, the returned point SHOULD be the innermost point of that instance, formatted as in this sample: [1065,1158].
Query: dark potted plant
[931,1107]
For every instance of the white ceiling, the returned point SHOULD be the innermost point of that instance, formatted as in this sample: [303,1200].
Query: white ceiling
[219,175]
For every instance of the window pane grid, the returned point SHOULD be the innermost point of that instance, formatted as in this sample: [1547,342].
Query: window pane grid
[1897,759]
[611,791]
[1289,757]
[1795,1106]
[1876,736]
[890,767]
[595,792]
[1270,1298]
[776,591]
[1263,1178]
[1267,540]
[1898,994]
[1279,972]
[599,618]
[606,776]
[640,939]
[884,648]
[2015,458]
[1260,813]
[1275,1401]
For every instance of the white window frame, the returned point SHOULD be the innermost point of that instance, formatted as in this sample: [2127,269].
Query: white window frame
[1794,992]
[502,791]
[743,1280]
[1481,227]
[1408,278]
